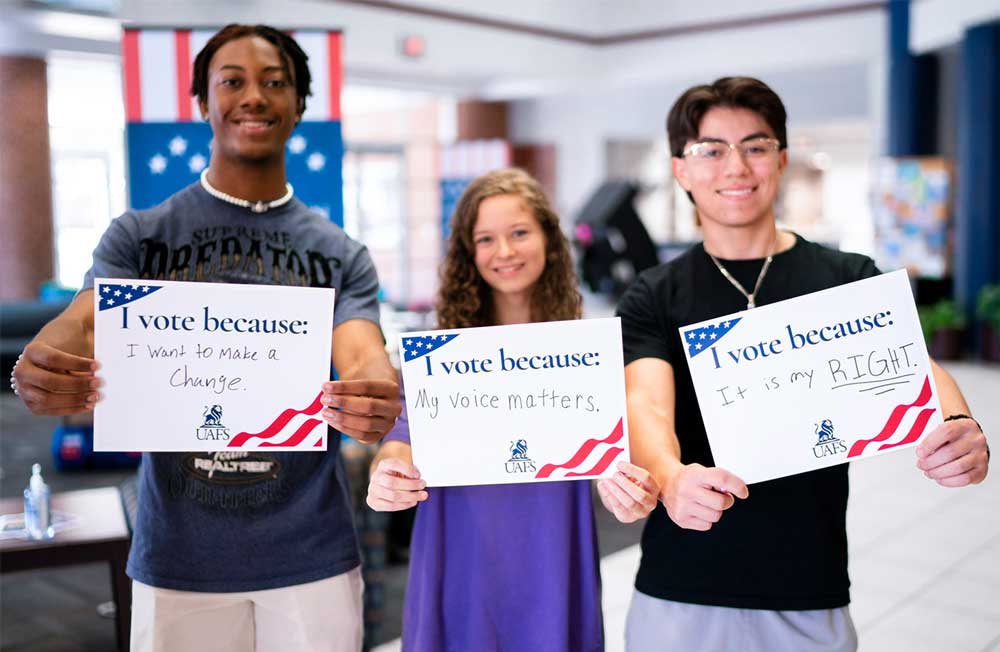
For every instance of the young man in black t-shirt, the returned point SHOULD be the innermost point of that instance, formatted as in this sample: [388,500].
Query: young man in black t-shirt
[723,569]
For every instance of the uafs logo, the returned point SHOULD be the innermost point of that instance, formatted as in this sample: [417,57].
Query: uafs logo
[519,461]
[826,444]
[212,427]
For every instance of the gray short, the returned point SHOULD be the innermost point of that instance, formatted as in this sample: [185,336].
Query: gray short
[655,624]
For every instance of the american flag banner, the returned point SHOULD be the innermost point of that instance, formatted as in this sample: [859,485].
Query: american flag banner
[462,162]
[169,145]
[700,339]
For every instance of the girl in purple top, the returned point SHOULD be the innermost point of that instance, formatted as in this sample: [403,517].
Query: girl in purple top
[505,567]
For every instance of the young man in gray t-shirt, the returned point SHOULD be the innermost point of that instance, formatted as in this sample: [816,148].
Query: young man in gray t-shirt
[257,553]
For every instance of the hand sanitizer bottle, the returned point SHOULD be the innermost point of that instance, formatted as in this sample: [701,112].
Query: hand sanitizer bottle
[37,512]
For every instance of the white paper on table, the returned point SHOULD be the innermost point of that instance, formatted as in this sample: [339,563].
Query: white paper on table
[510,404]
[829,377]
[179,377]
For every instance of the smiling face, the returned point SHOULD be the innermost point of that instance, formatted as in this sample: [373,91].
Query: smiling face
[509,246]
[252,104]
[733,191]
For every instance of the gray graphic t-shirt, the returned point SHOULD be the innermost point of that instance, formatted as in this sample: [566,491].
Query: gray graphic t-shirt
[240,521]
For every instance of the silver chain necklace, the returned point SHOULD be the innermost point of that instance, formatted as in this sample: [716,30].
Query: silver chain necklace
[255,206]
[750,296]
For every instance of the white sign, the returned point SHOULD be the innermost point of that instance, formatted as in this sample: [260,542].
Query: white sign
[829,377]
[509,404]
[210,366]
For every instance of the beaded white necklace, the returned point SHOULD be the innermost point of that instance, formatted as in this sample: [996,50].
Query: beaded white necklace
[255,206]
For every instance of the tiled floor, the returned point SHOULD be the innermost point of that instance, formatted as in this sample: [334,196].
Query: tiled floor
[924,560]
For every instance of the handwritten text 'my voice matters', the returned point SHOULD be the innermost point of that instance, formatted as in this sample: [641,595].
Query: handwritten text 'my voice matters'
[799,340]
[513,363]
[210,324]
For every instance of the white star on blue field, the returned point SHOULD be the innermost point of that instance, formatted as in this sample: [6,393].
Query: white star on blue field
[164,157]
[699,339]
[114,295]
[417,346]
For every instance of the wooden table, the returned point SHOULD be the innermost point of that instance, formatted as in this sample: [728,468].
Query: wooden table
[99,533]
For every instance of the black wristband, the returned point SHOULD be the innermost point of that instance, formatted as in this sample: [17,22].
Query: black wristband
[956,417]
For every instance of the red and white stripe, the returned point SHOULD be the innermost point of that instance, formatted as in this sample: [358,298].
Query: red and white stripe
[158,64]
[905,424]
[291,429]
[596,464]
[592,459]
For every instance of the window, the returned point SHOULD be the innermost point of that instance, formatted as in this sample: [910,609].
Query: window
[374,212]
[392,199]
[86,134]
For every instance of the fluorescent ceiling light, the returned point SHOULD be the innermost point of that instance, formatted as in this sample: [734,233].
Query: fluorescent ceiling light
[59,23]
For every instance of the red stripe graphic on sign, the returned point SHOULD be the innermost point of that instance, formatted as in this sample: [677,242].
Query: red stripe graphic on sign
[585,450]
[895,418]
[182,57]
[601,465]
[297,436]
[130,61]
[334,72]
[915,431]
[279,424]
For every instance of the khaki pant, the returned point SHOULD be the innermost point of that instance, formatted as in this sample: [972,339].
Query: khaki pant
[323,616]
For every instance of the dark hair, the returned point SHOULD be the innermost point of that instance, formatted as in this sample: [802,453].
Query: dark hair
[736,92]
[289,51]
[464,298]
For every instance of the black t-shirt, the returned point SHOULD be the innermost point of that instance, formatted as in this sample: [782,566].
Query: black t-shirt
[784,547]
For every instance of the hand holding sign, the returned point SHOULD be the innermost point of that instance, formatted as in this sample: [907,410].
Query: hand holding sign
[954,454]
[630,494]
[695,496]
[395,485]
[362,409]
[53,382]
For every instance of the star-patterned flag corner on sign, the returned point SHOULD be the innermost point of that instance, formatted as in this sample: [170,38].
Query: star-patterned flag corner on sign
[700,339]
[114,295]
[420,345]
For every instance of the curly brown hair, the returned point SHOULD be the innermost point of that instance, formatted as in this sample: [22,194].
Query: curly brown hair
[464,298]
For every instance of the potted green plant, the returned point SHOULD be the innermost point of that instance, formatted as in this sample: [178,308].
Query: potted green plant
[943,324]
[988,311]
